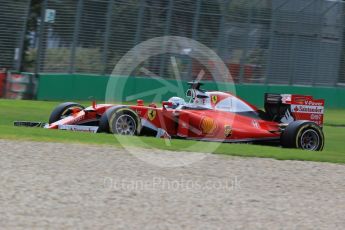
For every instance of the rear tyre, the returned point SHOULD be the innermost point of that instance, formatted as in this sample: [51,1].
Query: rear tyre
[120,120]
[304,135]
[64,110]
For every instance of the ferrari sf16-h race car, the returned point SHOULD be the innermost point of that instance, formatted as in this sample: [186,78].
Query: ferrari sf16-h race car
[292,121]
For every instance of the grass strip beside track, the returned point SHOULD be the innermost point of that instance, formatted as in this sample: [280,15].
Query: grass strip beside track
[11,110]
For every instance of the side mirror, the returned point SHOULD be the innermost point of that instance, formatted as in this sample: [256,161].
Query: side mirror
[167,103]
[140,102]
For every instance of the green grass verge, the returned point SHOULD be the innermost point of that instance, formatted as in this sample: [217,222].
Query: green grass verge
[11,110]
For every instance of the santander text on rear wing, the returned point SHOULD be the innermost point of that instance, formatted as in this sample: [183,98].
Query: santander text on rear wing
[290,107]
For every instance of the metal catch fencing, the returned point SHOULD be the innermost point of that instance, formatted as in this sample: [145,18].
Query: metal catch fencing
[13,21]
[296,42]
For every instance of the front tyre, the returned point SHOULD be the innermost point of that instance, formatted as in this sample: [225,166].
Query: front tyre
[64,110]
[120,120]
[304,135]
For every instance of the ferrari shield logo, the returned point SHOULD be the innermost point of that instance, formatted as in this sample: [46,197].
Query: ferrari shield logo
[227,130]
[214,99]
[151,114]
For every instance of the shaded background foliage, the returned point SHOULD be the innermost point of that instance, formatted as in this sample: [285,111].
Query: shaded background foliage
[261,41]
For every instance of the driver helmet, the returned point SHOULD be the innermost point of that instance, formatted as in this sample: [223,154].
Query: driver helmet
[177,101]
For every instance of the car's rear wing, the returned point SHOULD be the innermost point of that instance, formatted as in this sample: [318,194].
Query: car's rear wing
[286,108]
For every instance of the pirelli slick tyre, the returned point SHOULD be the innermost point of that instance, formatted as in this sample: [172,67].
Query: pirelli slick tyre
[120,120]
[304,135]
[64,110]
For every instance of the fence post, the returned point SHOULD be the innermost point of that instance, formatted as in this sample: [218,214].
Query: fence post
[106,36]
[337,79]
[196,20]
[247,39]
[194,35]
[75,35]
[221,28]
[270,46]
[166,32]
[139,22]
[18,62]
[291,60]
[40,38]
[316,52]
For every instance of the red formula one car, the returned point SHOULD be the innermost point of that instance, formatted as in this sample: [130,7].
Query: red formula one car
[292,121]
